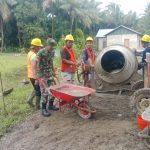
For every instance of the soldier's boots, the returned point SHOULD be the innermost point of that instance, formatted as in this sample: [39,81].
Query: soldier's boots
[45,113]
[52,107]
[30,99]
[37,102]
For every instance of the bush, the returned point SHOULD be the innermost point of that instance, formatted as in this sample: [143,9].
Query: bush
[79,39]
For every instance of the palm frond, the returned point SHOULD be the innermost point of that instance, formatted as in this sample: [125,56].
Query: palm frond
[5,12]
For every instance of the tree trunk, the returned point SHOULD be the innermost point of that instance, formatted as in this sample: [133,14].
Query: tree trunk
[76,24]
[2,34]
[19,38]
[52,26]
[71,25]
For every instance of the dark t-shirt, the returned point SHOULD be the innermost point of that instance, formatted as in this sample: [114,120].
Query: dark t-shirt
[147,50]
[64,54]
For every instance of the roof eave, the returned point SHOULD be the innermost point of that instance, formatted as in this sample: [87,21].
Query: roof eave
[125,28]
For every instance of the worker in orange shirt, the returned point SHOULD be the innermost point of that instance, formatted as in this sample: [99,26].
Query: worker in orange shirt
[69,63]
[88,57]
[35,47]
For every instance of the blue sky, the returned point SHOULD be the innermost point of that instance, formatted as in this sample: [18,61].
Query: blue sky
[127,5]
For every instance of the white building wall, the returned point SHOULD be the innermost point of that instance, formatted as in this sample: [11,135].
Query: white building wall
[119,39]
[100,43]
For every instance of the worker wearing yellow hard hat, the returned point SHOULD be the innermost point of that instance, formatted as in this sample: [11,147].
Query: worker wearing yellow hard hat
[89,39]
[69,37]
[68,60]
[36,44]
[88,57]
[145,40]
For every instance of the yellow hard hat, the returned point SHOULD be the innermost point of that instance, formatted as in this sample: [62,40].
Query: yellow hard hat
[89,39]
[69,37]
[146,38]
[36,42]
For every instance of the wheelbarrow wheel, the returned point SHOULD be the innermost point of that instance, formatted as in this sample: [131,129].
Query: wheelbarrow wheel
[140,100]
[83,113]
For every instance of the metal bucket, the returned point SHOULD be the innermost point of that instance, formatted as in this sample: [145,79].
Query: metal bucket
[116,64]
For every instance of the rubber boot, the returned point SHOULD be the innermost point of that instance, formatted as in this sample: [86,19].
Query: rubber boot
[52,107]
[37,103]
[30,98]
[45,113]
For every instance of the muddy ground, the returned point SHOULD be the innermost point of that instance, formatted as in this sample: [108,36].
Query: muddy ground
[113,128]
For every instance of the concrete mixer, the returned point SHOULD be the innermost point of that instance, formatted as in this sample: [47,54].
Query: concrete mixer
[116,69]
[116,64]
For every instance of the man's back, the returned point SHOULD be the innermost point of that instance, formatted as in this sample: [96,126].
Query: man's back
[45,64]
[147,50]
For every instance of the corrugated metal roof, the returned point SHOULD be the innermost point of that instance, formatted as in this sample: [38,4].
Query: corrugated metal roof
[103,32]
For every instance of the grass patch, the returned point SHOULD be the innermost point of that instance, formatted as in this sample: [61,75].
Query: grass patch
[13,69]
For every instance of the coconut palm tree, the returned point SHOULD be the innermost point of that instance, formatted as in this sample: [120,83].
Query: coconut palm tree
[53,6]
[130,19]
[114,15]
[90,13]
[5,14]
[73,9]
[84,11]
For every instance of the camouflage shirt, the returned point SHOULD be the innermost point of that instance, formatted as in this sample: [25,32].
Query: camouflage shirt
[45,63]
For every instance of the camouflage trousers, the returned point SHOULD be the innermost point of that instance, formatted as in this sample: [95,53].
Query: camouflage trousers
[45,96]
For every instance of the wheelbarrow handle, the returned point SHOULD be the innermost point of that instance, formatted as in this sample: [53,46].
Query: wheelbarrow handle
[44,85]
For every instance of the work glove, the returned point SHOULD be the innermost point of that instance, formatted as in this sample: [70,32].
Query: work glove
[141,65]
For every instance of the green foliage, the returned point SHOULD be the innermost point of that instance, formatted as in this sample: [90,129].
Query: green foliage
[79,38]
[130,19]
[144,22]
[12,49]
[31,21]
[13,72]
[22,20]
[61,43]
[79,43]
[31,32]
[10,30]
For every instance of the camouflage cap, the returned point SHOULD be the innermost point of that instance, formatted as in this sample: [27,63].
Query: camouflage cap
[51,42]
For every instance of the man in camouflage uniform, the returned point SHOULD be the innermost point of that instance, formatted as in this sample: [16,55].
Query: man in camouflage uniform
[44,70]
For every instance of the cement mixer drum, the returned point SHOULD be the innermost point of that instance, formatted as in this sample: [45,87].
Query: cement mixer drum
[116,64]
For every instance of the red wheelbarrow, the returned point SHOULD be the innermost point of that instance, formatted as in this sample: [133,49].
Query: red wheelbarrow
[75,96]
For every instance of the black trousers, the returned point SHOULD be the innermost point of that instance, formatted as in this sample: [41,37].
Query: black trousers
[36,87]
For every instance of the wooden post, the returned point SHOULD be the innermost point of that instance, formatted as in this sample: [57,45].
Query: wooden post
[147,72]
[2,89]
[148,69]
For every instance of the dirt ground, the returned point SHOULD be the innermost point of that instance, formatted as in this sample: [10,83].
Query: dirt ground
[113,128]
